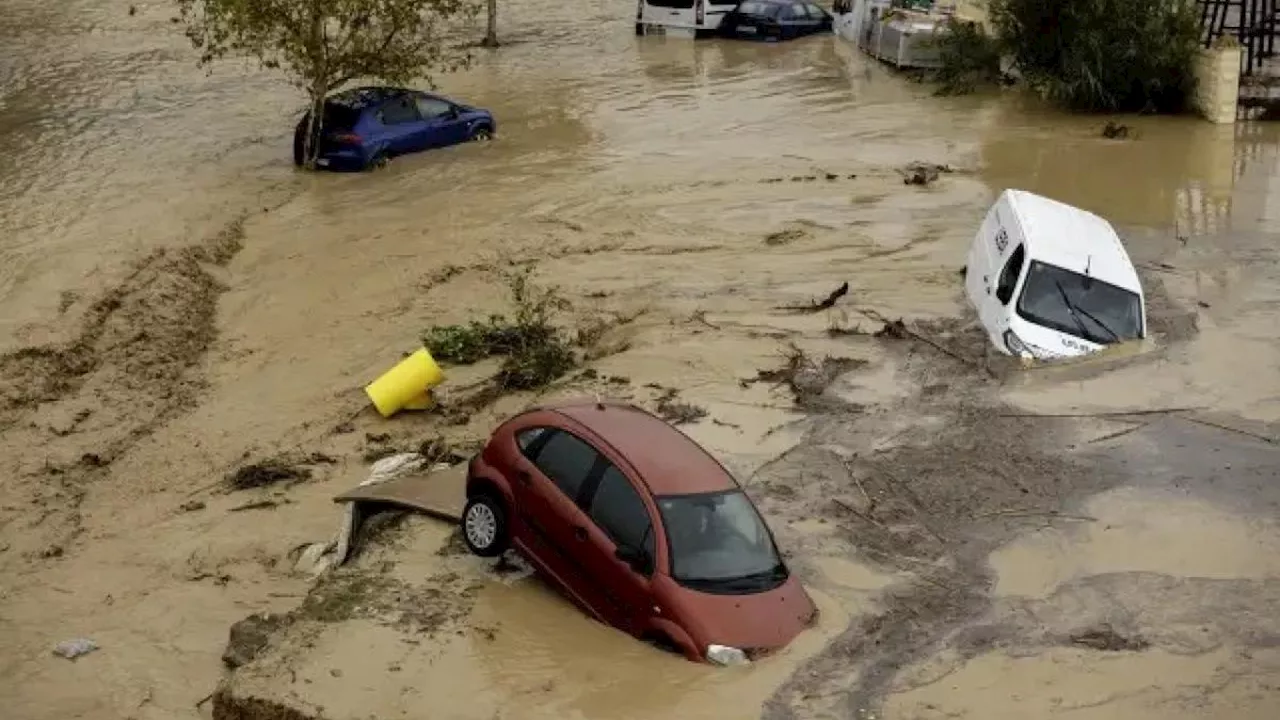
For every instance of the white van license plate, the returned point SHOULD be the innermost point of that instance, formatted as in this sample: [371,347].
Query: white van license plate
[748,29]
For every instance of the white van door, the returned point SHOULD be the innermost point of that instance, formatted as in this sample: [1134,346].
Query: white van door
[997,258]
[983,261]
[1004,290]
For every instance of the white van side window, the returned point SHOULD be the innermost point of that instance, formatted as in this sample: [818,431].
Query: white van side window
[1009,276]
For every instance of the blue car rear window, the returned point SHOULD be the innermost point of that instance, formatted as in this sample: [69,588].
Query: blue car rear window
[761,9]
[340,117]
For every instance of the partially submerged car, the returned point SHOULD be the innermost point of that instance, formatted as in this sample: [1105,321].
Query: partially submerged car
[1049,280]
[639,526]
[365,127]
[775,20]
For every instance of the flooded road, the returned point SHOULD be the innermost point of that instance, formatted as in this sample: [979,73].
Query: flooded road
[226,306]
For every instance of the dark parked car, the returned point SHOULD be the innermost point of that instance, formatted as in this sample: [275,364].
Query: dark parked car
[639,526]
[775,20]
[364,127]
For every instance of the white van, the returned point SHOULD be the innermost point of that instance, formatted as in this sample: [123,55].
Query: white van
[689,18]
[1050,280]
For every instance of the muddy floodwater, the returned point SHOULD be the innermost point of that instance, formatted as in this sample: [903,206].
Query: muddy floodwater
[1094,541]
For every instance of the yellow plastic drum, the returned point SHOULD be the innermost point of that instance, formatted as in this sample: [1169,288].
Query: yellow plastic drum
[407,385]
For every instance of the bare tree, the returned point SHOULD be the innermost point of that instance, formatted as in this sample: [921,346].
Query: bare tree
[325,44]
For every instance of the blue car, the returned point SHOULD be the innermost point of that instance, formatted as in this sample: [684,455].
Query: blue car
[365,127]
[773,20]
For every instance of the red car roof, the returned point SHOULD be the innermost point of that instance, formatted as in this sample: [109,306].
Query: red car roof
[668,461]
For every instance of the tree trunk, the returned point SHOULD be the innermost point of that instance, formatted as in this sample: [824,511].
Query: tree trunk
[319,85]
[491,33]
[311,140]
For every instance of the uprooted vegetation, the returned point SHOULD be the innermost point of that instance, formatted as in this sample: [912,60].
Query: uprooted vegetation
[808,379]
[534,350]
[537,348]
[962,341]
[287,469]
[923,173]
[1104,637]
[435,450]
[675,411]
[265,473]
[826,303]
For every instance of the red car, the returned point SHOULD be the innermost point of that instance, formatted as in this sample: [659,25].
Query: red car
[639,526]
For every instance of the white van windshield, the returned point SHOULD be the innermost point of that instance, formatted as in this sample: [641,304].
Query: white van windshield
[1079,305]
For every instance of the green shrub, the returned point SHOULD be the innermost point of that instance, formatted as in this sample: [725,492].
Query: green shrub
[464,344]
[970,59]
[1102,55]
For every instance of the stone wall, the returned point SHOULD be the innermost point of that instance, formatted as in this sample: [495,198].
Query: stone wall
[1217,72]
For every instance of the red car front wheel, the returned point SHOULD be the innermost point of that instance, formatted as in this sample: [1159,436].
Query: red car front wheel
[484,526]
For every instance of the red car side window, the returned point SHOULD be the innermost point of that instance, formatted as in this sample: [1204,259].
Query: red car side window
[619,511]
[527,439]
[567,461]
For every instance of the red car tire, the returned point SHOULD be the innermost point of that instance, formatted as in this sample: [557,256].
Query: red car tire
[484,525]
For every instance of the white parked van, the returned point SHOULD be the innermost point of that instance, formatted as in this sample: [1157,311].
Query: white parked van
[1050,280]
[689,18]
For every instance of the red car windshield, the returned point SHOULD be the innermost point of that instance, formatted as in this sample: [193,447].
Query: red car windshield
[718,543]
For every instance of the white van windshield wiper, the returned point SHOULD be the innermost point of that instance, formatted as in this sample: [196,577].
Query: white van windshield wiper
[1071,308]
[1076,311]
[1086,313]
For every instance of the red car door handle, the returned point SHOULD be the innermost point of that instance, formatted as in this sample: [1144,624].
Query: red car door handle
[523,477]
[580,533]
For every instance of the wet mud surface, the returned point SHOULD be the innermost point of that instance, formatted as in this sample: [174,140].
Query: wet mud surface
[968,509]
[186,325]
[128,370]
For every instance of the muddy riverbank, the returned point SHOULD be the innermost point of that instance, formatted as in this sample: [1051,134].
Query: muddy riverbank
[176,302]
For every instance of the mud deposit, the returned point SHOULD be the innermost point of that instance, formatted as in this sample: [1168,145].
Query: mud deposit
[186,324]
[963,509]
[127,371]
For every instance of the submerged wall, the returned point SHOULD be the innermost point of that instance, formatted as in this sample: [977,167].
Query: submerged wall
[1217,73]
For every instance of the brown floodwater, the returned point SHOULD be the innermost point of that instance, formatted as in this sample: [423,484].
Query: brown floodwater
[528,653]
[117,144]
[662,177]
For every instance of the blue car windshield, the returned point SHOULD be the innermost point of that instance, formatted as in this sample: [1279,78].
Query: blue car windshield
[1078,305]
[718,542]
